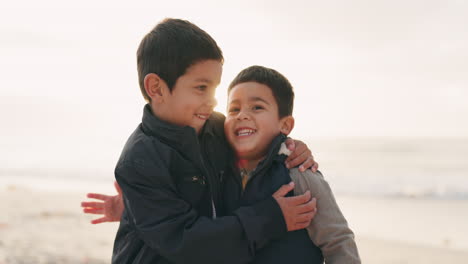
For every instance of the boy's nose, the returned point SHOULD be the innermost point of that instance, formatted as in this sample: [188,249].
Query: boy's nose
[242,115]
[212,102]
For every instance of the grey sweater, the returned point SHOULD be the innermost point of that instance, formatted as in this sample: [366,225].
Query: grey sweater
[329,229]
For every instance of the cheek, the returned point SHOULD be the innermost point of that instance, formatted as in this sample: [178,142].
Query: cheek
[186,106]
[271,124]
[229,129]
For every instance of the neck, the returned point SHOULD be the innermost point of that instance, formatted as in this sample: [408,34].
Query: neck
[250,164]
[157,109]
[162,114]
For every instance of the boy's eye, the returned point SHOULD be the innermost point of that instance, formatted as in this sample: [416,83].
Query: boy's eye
[233,110]
[258,107]
[201,87]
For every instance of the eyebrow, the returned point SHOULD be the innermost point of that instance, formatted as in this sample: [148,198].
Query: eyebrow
[251,99]
[204,80]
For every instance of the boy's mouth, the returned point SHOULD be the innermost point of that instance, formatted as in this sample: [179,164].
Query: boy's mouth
[203,116]
[243,131]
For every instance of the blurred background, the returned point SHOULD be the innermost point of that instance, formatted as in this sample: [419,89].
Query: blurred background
[381,99]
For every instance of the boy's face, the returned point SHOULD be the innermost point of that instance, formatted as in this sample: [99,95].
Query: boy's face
[252,120]
[191,101]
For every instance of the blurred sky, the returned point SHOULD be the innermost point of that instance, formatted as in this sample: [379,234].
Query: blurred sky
[69,94]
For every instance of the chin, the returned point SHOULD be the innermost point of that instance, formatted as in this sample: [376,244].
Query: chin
[243,153]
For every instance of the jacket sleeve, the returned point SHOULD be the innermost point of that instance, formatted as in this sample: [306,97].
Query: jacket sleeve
[329,229]
[169,224]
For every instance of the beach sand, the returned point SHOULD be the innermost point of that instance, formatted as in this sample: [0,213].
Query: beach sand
[49,227]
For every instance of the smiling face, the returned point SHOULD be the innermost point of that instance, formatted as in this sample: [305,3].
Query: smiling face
[253,120]
[191,101]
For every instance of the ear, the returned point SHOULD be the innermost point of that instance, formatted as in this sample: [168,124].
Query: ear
[155,87]
[286,125]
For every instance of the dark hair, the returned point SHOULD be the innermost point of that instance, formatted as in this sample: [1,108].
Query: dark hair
[170,48]
[280,86]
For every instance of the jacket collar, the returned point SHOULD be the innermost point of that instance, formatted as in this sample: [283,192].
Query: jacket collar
[272,155]
[176,136]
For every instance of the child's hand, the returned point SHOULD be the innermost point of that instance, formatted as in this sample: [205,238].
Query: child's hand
[298,211]
[111,207]
[301,155]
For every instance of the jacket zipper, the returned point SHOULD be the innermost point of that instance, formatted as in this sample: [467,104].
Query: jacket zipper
[211,184]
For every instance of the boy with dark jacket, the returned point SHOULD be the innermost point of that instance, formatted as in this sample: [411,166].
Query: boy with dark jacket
[259,117]
[171,168]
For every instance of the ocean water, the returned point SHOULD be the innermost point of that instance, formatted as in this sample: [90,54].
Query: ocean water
[435,168]
[396,167]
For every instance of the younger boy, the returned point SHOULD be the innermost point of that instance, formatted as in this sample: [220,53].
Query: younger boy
[259,117]
[171,167]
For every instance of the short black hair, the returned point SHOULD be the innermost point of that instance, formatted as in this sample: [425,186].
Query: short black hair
[280,86]
[170,48]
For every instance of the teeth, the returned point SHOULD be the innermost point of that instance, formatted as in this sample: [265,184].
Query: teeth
[245,132]
[202,116]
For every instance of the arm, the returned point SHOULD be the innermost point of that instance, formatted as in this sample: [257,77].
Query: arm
[167,223]
[329,230]
[112,207]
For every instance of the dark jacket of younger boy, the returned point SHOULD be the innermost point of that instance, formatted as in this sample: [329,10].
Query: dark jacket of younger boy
[270,174]
[170,179]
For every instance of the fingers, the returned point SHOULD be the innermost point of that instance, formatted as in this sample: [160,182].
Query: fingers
[299,226]
[307,164]
[117,187]
[283,190]
[300,159]
[298,211]
[93,211]
[290,144]
[92,205]
[299,148]
[298,200]
[97,196]
[307,207]
[315,167]
[306,218]
[99,220]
